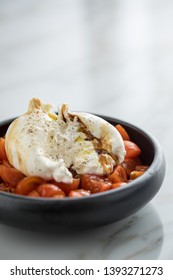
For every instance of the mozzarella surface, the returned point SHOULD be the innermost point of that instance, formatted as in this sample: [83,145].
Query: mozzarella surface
[43,144]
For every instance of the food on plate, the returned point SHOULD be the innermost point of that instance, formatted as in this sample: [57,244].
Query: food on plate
[71,154]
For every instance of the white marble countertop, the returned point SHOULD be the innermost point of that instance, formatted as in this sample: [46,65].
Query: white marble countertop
[113,57]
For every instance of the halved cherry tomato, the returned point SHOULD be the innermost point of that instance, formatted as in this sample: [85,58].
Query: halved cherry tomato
[129,164]
[28,184]
[122,132]
[132,150]
[3,155]
[58,195]
[117,185]
[33,193]
[119,175]
[10,175]
[68,187]
[95,183]
[136,174]
[50,190]
[79,193]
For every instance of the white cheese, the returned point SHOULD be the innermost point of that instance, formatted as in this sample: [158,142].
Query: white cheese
[39,143]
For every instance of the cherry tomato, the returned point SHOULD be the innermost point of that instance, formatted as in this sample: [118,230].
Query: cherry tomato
[28,184]
[136,174]
[95,183]
[132,150]
[122,132]
[58,195]
[130,164]
[49,190]
[79,193]
[68,187]
[10,175]
[3,155]
[33,193]
[117,185]
[119,175]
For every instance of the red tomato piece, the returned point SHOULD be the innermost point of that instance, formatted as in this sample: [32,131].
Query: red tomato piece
[10,175]
[122,132]
[3,155]
[28,184]
[119,175]
[79,193]
[130,164]
[58,195]
[68,187]
[117,185]
[50,190]
[136,174]
[95,183]
[132,150]
[33,193]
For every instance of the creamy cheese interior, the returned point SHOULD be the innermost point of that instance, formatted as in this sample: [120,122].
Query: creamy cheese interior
[53,147]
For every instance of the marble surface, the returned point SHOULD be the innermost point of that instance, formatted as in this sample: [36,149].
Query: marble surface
[113,57]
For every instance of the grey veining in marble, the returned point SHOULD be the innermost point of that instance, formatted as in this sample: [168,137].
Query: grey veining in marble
[113,57]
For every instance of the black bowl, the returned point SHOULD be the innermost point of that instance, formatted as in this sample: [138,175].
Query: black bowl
[97,209]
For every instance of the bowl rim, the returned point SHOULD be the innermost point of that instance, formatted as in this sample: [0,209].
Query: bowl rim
[154,166]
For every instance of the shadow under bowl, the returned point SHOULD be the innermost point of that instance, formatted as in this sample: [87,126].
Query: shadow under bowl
[96,210]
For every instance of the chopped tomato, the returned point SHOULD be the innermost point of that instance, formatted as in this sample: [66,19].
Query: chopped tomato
[132,150]
[68,187]
[95,183]
[33,193]
[3,155]
[117,185]
[119,175]
[79,193]
[50,190]
[28,184]
[122,132]
[58,195]
[10,175]
[130,164]
[136,174]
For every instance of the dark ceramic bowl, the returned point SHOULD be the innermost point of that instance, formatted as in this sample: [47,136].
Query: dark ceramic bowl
[97,209]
